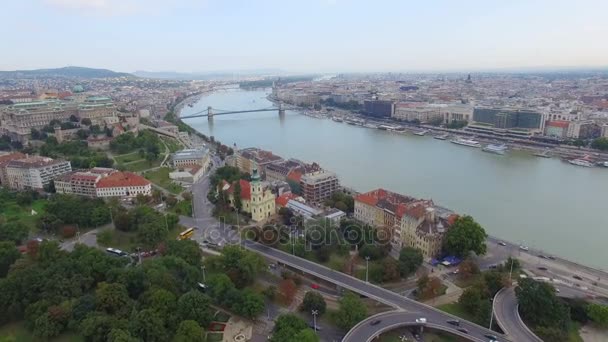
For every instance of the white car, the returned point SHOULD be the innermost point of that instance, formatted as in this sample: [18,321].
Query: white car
[524,248]
[421,320]
[502,243]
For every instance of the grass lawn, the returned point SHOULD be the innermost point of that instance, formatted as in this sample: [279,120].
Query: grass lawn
[172,144]
[161,178]
[456,310]
[215,337]
[125,241]
[574,332]
[143,164]
[336,262]
[20,334]
[13,211]
[127,158]
[183,207]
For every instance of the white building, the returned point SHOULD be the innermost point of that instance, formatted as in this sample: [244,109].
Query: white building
[34,172]
[191,156]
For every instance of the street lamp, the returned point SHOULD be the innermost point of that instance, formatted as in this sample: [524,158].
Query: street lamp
[314,318]
[366,269]
[203,268]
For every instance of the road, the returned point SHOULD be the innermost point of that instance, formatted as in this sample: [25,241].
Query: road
[507,316]
[436,318]
[365,331]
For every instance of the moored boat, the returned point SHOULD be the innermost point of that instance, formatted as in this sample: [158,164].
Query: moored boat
[421,133]
[466,142]
[580,162]
[441,137]
[497,149]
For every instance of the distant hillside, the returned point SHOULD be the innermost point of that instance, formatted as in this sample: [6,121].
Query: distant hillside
[209,75]
[70,71]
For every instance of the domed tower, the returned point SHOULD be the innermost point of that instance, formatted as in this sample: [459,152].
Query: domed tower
[256,187]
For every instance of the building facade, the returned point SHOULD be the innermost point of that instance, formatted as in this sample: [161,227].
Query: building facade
[191,156]
[81,183]
[256,198]
[318,186]
[34,172]
[123,184]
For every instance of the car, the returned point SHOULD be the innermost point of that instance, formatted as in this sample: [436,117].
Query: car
[524,248]
[456,271]
[272,265]
[491,337]
[453,322]
[421,320]
[502,243]
[493,266]
[542,256]
[314,286]
[375,322]
[577,277]
[542,268]
[463,330]
[551,257]
[557,290]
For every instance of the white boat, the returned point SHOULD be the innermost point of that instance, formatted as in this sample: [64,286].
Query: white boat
[466,142]
[369,125]
[385,127]
[441,137]
[544,154]
[581,162]
[421,133]
[605,164]
[498,149]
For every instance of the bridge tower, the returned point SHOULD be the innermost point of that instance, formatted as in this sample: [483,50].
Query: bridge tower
[209,113]
[281,109]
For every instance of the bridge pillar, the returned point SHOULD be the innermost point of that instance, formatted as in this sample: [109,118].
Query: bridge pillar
[281,109]
[209,113]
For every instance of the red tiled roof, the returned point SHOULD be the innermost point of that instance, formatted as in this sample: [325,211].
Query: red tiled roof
[416,211]
[12,156]
[284,198]
[294,175]
[367,199]
[245,189]
[118,179]
[452,218]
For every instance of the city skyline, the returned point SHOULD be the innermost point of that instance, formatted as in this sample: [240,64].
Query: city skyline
[314,36]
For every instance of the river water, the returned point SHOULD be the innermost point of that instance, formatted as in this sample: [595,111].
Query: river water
[543,203]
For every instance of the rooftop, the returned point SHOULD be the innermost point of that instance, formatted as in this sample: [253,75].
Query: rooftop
[122,179]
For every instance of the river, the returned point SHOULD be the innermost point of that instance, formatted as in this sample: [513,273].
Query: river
[543,203]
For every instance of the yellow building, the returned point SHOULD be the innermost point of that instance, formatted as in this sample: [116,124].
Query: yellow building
[256,199]
[421,228]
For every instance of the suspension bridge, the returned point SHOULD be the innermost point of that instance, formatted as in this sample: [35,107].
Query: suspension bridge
[211,112]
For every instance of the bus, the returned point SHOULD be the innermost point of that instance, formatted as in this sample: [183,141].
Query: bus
[186,234]
[115,251]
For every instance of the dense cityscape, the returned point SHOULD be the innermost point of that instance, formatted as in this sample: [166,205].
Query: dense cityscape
[303,171]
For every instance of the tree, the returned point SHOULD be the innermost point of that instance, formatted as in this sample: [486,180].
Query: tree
[86,121]
[470,300]
[96,327]
[390,270]
[195,306]
[409,261]
[185,249]
[189,331]
[45,327]
[350,312]
[465,236]
[112,298]
[468,268]
[8,255]
[287,291]
[495,281]
[539,306]
[313,301]
[149,326]
[238,204]
[152,233]
[373,252]
[291,328]
[121,335]
[219,286]
[15,231]
[251,304]
[429,287]
[598,314]
[600,144]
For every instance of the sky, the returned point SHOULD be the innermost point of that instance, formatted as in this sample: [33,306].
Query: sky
[303,35]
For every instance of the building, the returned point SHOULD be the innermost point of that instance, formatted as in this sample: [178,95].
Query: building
[557,129]
[188,174]
[424,229]
[587,129]
[123,184]
[18,120]
[81,183]
[379,108]
[605,131]
[256,198]
[509,119]
[193,156]
[96,108]
[282,200]
[318,186]
[5,158]
[334,215]
[249,158]
[307,212]
[34,172]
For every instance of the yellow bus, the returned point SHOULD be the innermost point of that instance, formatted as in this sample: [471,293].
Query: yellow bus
[186,234]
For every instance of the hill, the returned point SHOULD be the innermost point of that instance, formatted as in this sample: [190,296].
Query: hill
[70,71]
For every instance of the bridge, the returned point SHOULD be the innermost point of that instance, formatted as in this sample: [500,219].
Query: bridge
[211,112]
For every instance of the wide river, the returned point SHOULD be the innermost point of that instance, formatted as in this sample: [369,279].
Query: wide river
[543,203]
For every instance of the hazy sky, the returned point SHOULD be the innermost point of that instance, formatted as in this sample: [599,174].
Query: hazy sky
[303,35]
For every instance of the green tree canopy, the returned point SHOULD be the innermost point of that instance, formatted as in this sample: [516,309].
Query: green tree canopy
[409,260]
[539,306]
[313,300]
[465,236]
[351,311]
[189,331]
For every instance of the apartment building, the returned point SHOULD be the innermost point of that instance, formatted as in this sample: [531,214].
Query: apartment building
[423,226]
[34,172]
[251,158]
[81,183]
[318,186]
